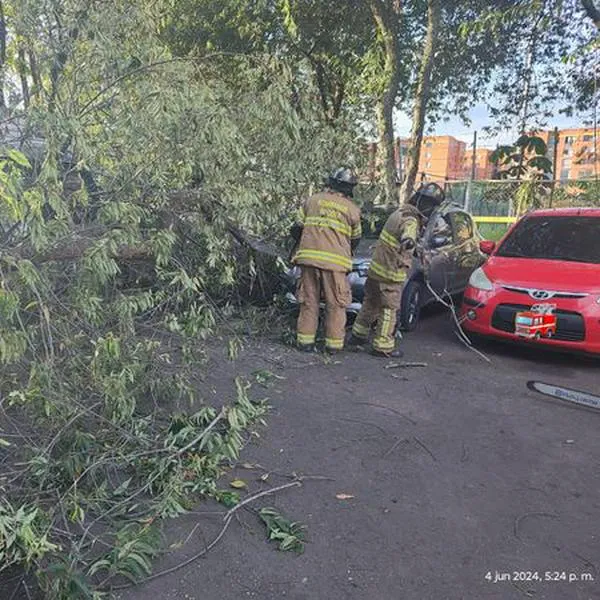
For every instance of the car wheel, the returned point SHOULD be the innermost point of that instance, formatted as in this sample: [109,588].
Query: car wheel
[410,309]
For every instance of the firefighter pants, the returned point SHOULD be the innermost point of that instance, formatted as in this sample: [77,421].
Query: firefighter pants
[380,303]
[334,288]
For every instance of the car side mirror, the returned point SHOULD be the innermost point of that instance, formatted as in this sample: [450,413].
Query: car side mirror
[437,241]
[487,247]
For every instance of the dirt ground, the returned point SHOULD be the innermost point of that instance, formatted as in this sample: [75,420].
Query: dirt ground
[457,471]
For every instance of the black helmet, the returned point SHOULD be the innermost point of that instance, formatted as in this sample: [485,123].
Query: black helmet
[427,198]
[343,180]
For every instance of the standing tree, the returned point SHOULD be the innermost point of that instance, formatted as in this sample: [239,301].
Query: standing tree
[422,94]
[388,18]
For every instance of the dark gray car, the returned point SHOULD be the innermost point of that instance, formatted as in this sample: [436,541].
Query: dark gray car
[450,248]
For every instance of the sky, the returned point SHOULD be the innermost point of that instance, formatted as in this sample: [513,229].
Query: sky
[479,119]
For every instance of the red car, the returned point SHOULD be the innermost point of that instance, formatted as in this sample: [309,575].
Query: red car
[547,256]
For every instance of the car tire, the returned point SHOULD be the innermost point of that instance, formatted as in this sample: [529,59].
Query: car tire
[410,309]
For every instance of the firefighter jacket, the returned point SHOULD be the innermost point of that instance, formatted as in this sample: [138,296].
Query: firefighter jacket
[329,221]
[390,261]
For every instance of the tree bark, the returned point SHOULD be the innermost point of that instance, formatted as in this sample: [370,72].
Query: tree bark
[421,99]
[387,19]
[2,55]
[35,73]
[21,66]
[593,12]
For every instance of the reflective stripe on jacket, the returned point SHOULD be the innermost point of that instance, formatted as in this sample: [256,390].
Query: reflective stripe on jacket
[330,221]
[390,262]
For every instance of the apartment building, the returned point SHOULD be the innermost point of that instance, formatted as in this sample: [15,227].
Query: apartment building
[442,157]
[578,155]
[484,168]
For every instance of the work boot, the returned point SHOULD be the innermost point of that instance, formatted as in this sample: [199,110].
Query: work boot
[305,347]
[395,353]
[355,341]
[333,351]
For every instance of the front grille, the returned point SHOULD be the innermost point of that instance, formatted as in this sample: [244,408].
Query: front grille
[570,326]
[520,290]
[470,302]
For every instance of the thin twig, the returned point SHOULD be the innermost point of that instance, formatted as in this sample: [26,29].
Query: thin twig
[254,497]
[405,365]
[185,563]
[26,589]
[12,596]
[227,521]
[462,336]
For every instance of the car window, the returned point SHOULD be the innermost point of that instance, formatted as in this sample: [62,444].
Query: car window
[573,239]
[462,227]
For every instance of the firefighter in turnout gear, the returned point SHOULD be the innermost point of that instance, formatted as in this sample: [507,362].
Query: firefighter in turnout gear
[388,272]
[327,233]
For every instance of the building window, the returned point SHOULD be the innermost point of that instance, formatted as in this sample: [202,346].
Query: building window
[566,152]
[428,164]
[564,174]
[588,138]
[429,144]
[428,155]
[569,139]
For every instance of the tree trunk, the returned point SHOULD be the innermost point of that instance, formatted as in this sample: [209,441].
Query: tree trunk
[387,19]
[593,12]
[35,73]
[2,55]
[421,98]
[21,66]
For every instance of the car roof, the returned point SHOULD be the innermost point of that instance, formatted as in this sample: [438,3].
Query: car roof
[565,212]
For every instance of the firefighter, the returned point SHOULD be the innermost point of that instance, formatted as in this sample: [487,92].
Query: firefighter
[328,232]
[391,261]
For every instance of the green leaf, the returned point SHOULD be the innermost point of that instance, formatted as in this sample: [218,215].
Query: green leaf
[19,158]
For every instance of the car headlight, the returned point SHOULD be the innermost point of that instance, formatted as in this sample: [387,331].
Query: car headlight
[480,281]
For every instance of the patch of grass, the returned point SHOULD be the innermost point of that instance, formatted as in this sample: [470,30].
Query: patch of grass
[492,231]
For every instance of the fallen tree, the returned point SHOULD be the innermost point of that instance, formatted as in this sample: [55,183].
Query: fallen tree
[112,289]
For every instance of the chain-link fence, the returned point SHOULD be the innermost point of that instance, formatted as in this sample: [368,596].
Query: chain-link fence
[510,198]
[495,204]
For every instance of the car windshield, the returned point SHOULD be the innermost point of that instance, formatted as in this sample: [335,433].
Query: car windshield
[575,239]
[524,320]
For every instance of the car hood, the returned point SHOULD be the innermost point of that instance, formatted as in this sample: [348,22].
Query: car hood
[553,275]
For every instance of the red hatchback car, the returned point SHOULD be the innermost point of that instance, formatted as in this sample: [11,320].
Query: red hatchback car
[548,256]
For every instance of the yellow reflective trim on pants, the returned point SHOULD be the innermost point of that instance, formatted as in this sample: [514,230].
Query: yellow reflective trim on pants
[360,330]
[357,231]
[326,257]
[334,206]
[329,223]
[387,238]
[385,341]
[394,276]
[306,338]
[334,343]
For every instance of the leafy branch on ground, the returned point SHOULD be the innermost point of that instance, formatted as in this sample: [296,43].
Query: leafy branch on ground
[289,534]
